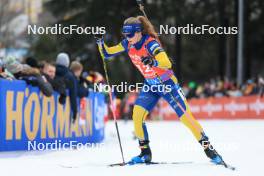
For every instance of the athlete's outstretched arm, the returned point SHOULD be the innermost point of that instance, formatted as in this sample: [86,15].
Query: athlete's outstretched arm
[161,58]
[109,52]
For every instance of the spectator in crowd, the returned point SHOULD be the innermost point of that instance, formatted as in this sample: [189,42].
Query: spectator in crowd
[208,92]
[63,72]
[219,88]
[249,88]
[77,68]
[58,84]
[261,85]
[49,70]
[185,89]
[4,72]
[199,93]
[192,88]
[234,91]
[31,75]
[203,90]
[32,62]
[96,77]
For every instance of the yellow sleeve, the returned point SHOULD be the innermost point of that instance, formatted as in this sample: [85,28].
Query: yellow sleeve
[108,52]
[163,60]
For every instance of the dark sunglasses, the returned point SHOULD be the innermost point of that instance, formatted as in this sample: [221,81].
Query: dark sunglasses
[131,35]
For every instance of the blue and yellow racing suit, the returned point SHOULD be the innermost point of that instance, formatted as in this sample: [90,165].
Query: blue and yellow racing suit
[160,71]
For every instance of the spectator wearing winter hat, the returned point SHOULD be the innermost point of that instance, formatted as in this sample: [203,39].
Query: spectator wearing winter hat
[32,62]
[63,72]
[31,75]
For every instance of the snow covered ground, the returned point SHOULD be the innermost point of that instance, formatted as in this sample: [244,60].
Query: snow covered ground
[241,144]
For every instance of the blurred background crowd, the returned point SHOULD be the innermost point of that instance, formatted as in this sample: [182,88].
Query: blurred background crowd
[61,76]
[217,87]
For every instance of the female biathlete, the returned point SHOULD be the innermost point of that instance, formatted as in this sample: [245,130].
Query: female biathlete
[144,49]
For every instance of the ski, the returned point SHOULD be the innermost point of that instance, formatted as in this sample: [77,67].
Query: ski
[227,166]
[163,162]
[150,163]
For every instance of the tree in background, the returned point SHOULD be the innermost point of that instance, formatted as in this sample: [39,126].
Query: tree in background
[196,57]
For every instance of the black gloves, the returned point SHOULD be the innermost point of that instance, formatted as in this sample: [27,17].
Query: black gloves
[62,99]
[149,61]
[98,37]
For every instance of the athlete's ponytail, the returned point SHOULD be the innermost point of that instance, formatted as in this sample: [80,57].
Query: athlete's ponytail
[148,28]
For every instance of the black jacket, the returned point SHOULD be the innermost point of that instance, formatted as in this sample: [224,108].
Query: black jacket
[82,88]
[71,83]
[59,86]
[36,80]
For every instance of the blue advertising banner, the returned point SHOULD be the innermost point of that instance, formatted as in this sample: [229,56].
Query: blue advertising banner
[28,118]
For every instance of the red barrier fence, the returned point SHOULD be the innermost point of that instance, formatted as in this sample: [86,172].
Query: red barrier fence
[250,107]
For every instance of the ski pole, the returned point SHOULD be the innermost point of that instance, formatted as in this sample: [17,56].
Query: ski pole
[141,8]
[112,110]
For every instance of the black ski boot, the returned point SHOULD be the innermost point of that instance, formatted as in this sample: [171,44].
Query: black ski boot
[145,156]
[210,151]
